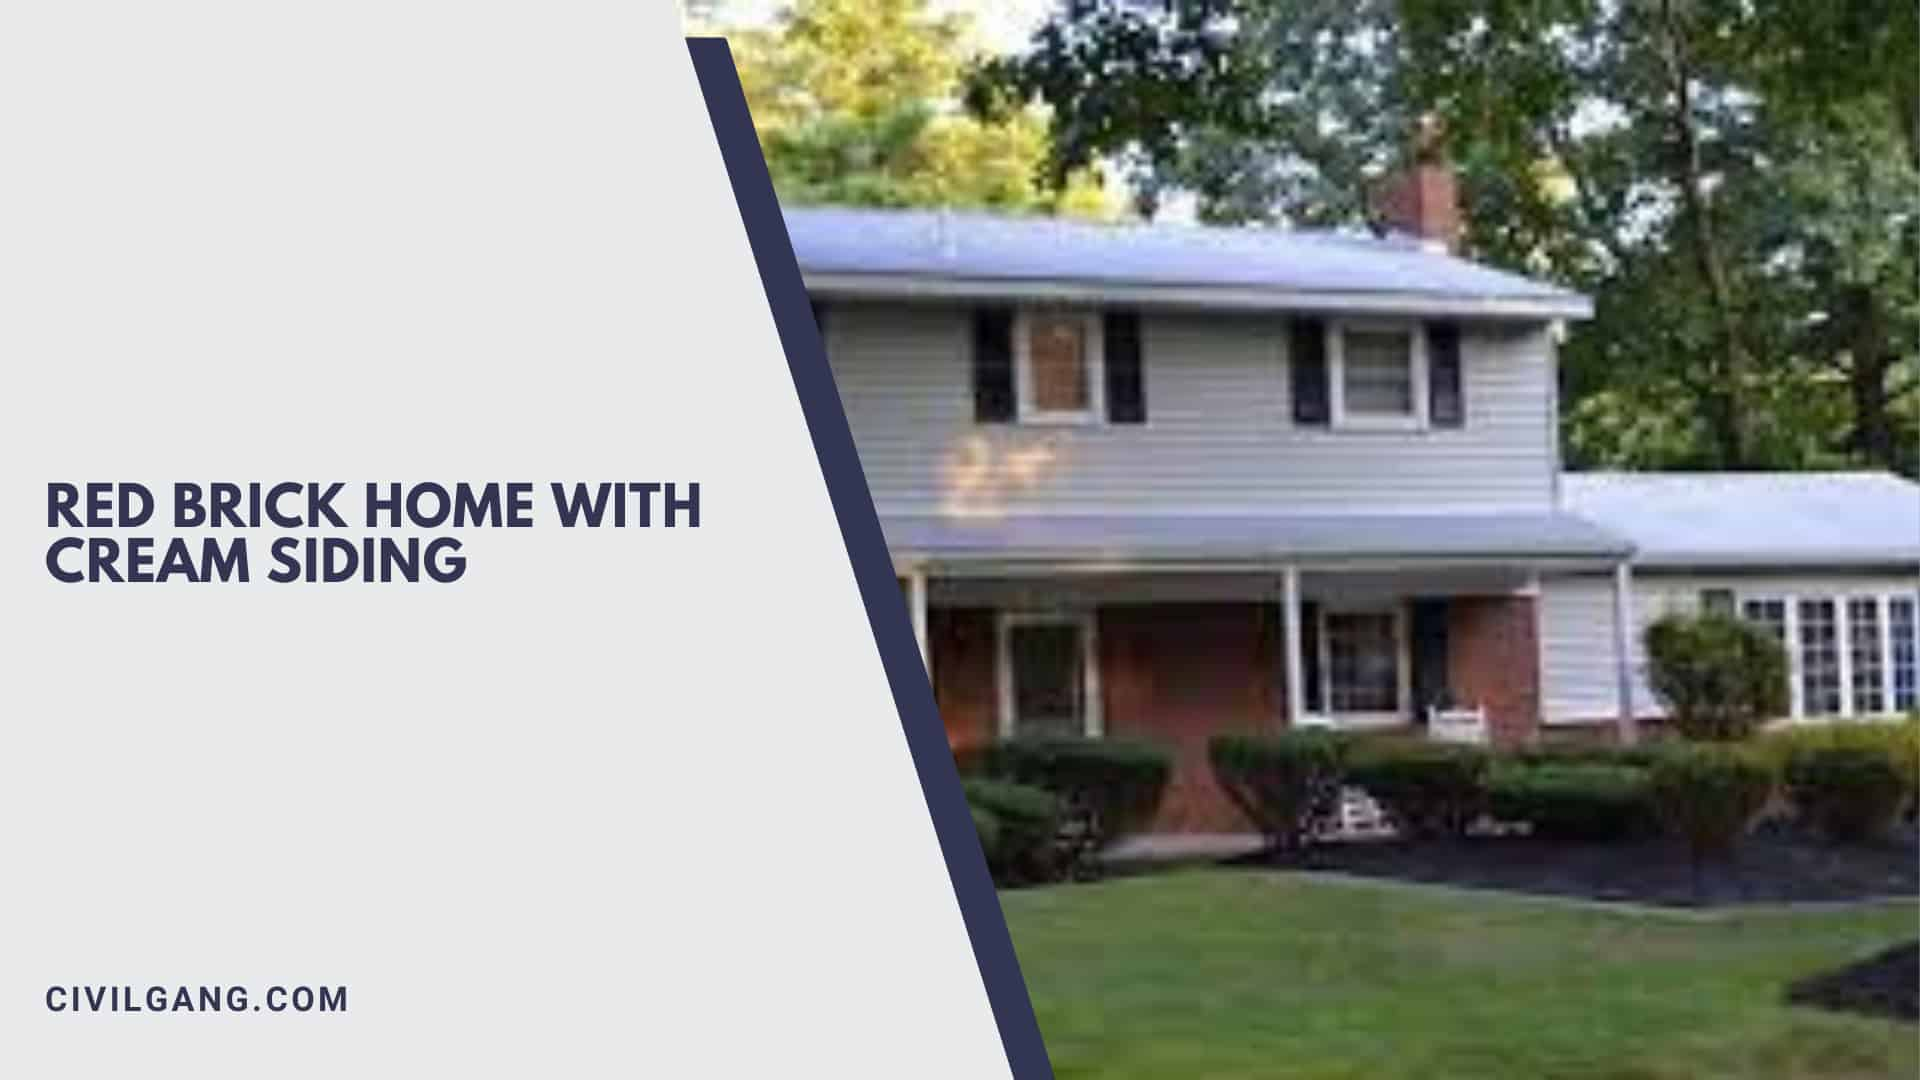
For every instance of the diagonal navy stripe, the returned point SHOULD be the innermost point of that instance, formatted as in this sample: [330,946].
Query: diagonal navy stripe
[872,566]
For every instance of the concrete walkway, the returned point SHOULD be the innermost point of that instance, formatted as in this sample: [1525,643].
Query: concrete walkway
[1183,847]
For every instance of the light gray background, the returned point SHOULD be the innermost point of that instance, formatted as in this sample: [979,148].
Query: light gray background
[616,803]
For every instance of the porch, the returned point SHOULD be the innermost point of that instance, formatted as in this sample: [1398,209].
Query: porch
[1177,656]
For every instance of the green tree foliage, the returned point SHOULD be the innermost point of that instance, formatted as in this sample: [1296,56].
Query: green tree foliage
[855,102]
[1735,183]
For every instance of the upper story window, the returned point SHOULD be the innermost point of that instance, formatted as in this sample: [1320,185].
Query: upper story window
[1060,366]
[1394,375]
[1379,376]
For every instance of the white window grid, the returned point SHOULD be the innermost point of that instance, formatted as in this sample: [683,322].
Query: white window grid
[1419,419]
[1896,661]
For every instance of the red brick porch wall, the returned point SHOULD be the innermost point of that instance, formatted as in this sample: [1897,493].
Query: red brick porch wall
[1173,674]
[1493,660]
[961,641]
[1177,674]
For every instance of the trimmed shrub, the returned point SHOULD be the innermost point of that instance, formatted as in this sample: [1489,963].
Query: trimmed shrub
[1719,677]
[1708,796]
[1640,756]
[1021,833]
[1898,740]
[1430,789]
[1286,784]
[987,828]
[1110,788]
[1851,793]
[1574,802]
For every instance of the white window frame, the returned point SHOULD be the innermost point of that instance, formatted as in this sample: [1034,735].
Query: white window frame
[1093,723]
[1094,331]
[1403,665]
[1843,630]
[1886,645]
[1420,419]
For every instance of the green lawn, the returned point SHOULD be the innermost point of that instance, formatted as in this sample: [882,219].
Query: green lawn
[1214,973]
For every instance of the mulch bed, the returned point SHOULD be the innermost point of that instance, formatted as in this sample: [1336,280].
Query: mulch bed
[1774,866]
[1884,985]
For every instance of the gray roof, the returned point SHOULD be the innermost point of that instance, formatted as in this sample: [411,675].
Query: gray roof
[974,254]
[1268,538]
[1783,519]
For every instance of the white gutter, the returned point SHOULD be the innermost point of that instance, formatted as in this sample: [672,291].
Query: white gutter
[1216,297]
[951,565]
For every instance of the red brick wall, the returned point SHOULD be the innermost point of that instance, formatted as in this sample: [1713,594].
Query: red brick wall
[1493,660]
[1172,674]
[1176,674]
[961,641]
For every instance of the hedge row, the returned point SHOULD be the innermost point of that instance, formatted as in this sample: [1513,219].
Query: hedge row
[1849,782]
[1044,807]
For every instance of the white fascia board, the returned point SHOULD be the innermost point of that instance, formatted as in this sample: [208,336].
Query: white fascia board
[1039,565]
[1780,561]
[1237,298]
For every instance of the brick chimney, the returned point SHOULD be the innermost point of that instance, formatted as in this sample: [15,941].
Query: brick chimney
[1422,199]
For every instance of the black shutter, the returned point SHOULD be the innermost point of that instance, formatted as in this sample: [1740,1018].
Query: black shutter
[1310,654]
[1429,647]
[1446,404]
[1126,378]
[993,365]
[820,317]
[1307,360]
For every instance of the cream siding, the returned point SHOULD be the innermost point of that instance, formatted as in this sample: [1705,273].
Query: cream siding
[1219,436]
[1576,628]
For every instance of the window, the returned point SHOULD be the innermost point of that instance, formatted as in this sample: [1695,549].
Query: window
[1847,654]
[1770,614]
[1364,667]
[1819,658]
[1867,676]
[1049,678]
[1059,366]
[1379,376]
[1716,601]
[1903,653]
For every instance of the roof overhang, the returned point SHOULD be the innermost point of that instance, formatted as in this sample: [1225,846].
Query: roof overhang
[1119,544]
[1896,561]
[928,287]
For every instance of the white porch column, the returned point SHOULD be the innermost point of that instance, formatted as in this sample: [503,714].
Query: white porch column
[1290,628]
[1623,650]
[917,606]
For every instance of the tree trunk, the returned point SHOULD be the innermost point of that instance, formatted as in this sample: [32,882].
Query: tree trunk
[1871,360]
[1723,407]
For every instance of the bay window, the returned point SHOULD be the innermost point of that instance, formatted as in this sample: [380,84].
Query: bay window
[1848,654]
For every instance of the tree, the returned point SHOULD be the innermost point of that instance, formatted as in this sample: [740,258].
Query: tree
[1264,111]
[1735,183]
[855,103]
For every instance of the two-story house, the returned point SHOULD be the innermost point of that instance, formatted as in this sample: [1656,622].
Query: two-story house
[1171,481]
